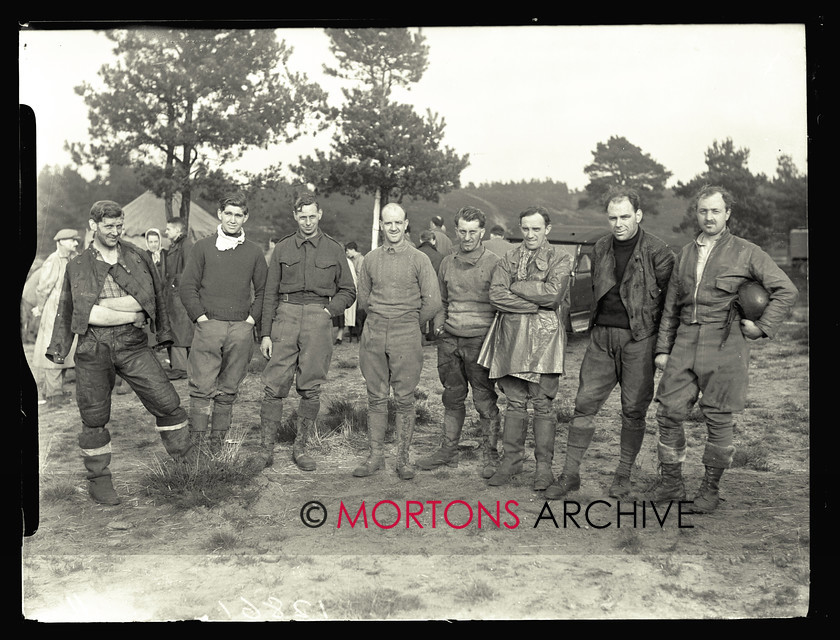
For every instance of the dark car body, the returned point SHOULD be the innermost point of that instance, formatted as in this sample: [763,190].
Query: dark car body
[579,242]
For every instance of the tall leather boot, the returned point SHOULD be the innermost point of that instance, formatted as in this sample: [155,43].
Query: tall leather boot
[670,485]
[220,424]
[577,443]
[304,429]
[514,449]
[271,413]
[405,433]
[544,432]
[96,448]
[716,459]
[377,424]
[631,443]
[490,428]
[447,454]
[176,440]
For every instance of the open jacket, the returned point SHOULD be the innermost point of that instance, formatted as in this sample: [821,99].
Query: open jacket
[731,262]
[80,291]
[643,285]
[528,335]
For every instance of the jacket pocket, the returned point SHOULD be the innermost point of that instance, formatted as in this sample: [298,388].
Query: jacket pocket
[326,271]
[730,284]
[291,271]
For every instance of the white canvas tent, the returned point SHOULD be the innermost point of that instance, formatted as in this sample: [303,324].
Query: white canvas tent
[147,211]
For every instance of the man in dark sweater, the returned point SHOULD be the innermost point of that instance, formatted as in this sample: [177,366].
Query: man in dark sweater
[216,287]
[630,273]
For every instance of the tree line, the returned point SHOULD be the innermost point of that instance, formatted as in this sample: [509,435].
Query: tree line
[178,106]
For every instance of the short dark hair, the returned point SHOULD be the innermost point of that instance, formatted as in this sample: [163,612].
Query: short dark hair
[304,200]
[178,222]
[468,214]
[437,221]
[711,189]
[105,209]
[351,245]
[619,193]
[497,230]
[536,209]
[427,235]
[236,199]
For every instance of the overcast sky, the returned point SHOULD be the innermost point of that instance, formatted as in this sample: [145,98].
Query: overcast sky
[526,102]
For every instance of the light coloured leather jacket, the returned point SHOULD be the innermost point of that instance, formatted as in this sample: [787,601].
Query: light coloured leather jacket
[731,262]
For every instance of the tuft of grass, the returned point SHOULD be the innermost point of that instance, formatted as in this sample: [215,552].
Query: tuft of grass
[58,491]
[209,482]
[223,541]
[669,567]
[476,590]
[752,456]
[374,603]
[629,541]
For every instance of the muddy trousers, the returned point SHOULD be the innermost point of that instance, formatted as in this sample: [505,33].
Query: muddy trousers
[102,353]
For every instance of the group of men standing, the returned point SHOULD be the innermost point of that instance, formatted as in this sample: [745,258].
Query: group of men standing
[498,319]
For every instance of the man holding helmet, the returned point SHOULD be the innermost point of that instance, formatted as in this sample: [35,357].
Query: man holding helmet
[702,349]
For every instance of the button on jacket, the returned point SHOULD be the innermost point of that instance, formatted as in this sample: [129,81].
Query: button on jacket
[81,288]
[644,283]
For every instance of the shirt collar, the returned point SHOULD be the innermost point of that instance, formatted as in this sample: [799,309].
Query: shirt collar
[704,241]
[473,256]
[398,249]
[98,254]
[314,240]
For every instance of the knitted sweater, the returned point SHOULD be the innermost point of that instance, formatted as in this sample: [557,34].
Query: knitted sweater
[464,280]
[220,283]
[398,282]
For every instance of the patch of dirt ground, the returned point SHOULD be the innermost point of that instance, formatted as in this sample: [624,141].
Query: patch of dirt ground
[483,553]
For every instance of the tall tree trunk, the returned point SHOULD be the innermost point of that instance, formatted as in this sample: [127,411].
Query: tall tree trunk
[374,236]
[167,195]
[184,212]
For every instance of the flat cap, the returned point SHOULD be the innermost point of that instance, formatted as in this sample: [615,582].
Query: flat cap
[66,234]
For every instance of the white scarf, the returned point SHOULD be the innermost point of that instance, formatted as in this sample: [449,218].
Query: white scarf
[225,242]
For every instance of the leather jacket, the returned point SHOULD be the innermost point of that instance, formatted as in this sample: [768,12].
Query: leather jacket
[81,288]
[644,283]
[731,262]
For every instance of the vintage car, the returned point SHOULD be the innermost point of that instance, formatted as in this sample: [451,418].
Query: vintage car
[579,242]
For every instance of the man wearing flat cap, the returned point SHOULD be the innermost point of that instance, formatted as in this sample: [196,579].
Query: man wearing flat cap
[49,376]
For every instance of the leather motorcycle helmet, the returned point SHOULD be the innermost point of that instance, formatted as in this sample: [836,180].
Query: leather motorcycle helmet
[752,300]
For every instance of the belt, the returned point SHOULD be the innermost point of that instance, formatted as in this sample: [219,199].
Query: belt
[304,297]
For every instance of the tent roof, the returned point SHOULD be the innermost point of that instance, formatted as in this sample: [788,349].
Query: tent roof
[147,211]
